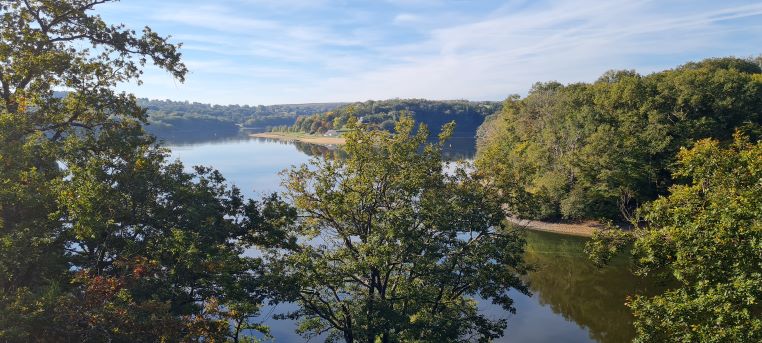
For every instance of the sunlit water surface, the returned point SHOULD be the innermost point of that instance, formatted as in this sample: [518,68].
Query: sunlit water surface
[572,300]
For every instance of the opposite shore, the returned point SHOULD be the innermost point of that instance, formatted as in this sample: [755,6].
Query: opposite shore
[584,229]
[301,137]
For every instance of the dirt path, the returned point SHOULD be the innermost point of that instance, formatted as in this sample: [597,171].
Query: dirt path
[300,138]
[584,229]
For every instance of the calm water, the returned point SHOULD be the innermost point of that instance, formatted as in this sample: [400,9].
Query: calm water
[572,300]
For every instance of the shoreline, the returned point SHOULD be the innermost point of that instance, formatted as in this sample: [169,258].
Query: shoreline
[584,229]
[320,140]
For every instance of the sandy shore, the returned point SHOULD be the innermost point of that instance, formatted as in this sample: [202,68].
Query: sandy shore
[584,229]
[300,138]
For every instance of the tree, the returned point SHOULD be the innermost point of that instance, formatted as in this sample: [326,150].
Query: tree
[101,238]
[393,248]
[36,56]
[599,150]
[707,235]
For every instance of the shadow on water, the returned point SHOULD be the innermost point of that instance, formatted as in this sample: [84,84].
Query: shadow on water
[593,298]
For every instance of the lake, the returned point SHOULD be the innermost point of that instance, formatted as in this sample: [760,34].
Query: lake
[572,300]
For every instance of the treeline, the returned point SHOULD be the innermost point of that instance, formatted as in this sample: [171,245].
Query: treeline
[468,115]
[598,150]
[168,115]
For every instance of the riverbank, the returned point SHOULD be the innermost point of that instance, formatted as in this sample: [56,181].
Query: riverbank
[584,229]
[300,137]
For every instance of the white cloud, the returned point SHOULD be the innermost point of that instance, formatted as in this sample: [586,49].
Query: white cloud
[334,52]
[569,42]
[404,18]
[213,17]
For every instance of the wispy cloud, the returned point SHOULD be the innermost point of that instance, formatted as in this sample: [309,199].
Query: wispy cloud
[508,51]
[256,51]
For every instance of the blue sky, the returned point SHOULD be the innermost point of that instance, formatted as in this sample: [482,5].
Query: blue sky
[295,51]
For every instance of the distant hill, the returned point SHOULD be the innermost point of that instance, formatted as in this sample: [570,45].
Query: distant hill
[183,120]
[165,112]
[187,122]
[468,115]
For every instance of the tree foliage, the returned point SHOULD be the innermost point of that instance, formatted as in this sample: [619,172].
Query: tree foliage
[101,238]
[599,150]
[707,235]
[393,248]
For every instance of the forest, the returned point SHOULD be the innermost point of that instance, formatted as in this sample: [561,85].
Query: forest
[105,238]
[599,150]
[167,117]
[468,115]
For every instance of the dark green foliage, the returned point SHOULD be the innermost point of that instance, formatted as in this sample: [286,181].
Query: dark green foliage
[599,150]
[101,238]
[150,251]
[707,235]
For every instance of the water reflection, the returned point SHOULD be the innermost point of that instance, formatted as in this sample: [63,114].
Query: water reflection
[324,151]
[250,164]
[456,148]
[199,136]
[571,286]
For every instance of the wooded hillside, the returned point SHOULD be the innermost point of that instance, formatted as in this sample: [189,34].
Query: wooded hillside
[468,115]
[167,117]
[598,150]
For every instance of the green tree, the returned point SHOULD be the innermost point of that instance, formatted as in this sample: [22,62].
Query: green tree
[707,235]
[394,249]
[101,238]
[599,150]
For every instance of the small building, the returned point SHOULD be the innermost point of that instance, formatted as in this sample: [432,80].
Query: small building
[331,133]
